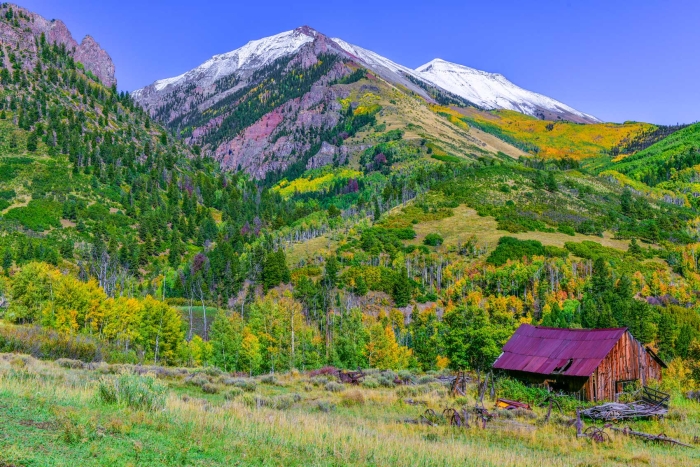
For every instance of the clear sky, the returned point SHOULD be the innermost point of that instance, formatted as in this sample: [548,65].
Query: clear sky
[618,60]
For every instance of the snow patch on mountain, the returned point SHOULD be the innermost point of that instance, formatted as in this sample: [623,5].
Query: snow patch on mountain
[253,55]
[492,90]
[373,60]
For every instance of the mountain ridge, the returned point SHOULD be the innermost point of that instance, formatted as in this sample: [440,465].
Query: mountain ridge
[511,96]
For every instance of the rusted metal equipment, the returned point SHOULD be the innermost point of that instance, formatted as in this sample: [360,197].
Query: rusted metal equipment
[552,401]
[429,417]
[661,438]
[596,434]
[511,405]
[483,415]
[457,418]
[351,377]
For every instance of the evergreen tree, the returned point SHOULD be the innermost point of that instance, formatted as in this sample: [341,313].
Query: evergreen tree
[551,183]
[360,286]
[331,273]
[402,288]
[32,141]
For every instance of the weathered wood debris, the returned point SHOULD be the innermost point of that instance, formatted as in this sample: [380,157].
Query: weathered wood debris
[653,403]
[661,438]
[613,411]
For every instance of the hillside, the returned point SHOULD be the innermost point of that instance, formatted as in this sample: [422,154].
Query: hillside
[302,205]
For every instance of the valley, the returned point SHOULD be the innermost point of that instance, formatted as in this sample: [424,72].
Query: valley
[186,270]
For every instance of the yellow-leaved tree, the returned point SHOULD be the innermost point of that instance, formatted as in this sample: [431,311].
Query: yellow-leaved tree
[122,321]
[383,350]
[161,331]
[250,352]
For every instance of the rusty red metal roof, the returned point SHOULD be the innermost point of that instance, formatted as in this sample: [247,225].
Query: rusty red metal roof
[569,352]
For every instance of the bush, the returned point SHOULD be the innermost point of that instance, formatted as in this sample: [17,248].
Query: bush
[427,379]
[246,384]
[370,383]
[386,381]
[433,239]
[233,393]
[332,386]
[70,363]
[566,229]
[352,398]
[47,344]
[133,391]
[198,380]
[269,379]
[321,380]
[325,406]
[210,388]
[510,248]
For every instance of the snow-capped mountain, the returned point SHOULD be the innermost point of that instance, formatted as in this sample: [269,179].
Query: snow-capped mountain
[494,91]
[275,103]
[252,56]
[486,90]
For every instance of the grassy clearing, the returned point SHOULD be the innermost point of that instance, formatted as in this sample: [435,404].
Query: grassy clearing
[303,250]
[466,222]
[53,416]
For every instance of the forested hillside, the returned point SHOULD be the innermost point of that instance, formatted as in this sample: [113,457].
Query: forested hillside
[394,233]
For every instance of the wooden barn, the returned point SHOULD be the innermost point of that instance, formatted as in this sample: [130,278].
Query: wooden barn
[593,363]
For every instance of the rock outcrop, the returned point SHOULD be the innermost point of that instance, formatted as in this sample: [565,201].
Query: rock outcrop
[24,28]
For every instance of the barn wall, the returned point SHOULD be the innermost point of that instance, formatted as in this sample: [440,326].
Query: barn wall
[627,361]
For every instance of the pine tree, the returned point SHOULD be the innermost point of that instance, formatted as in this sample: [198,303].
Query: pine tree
[402,288]
[551,183]
[32,141]
[360,286]
[331,274]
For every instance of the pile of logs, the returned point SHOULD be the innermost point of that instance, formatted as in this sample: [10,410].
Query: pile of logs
[613,411]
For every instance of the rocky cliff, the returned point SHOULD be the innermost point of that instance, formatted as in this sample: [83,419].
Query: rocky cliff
[23,28]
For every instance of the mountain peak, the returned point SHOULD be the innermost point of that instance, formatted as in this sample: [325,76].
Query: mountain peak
[307,30]
[494,91]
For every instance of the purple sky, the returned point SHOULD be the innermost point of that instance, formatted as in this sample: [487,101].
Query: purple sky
[617,60]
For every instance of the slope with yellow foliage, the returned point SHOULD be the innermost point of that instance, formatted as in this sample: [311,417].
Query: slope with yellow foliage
[546,139]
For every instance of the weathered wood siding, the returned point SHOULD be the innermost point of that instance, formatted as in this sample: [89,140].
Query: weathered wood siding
[627,361]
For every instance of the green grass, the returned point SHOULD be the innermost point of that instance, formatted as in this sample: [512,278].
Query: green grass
[38,215]
[52,416]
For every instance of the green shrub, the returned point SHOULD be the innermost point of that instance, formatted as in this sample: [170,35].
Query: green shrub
[510,248]
[566,229]
[269,379]
[210,388]
[233,393]
[433,239]
[133,391]
[248,385]
[370,383]
[38,215]
[332,386]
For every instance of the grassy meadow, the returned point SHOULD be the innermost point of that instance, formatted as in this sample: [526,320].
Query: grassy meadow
[67,413]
